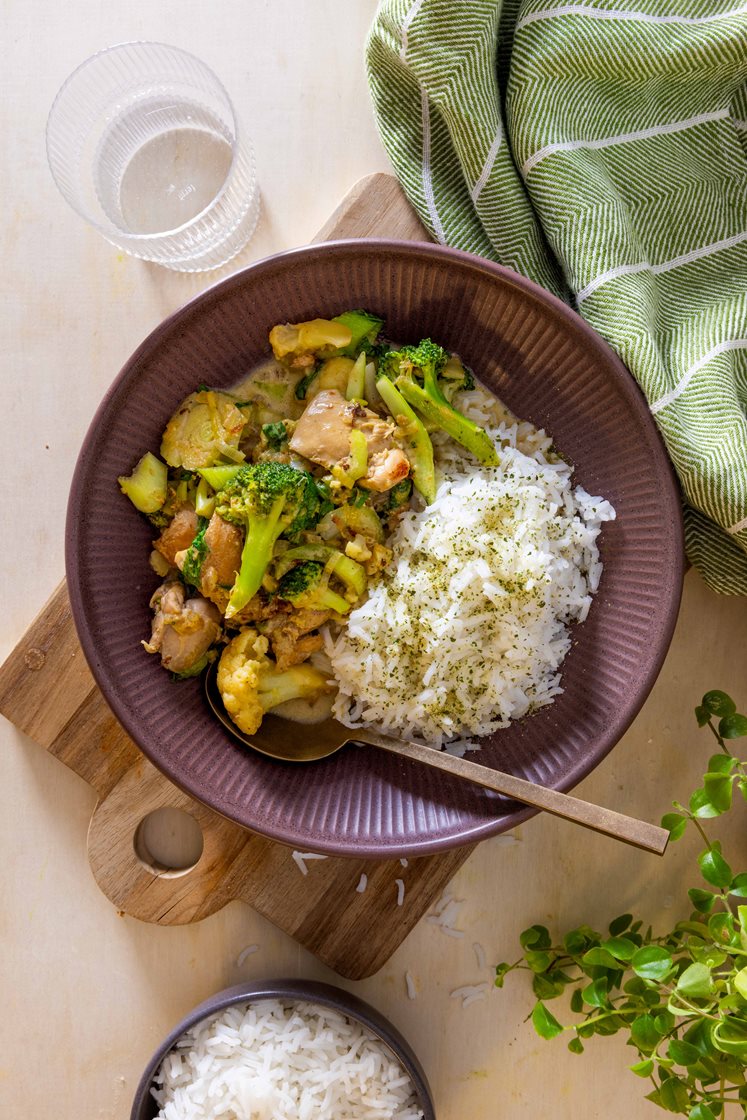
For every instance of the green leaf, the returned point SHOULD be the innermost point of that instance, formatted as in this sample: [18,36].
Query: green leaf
[730,1037]
[635,986]
[701,1112]
[699,1035]
[742,785]
[642,1069]
[700,805]
[718,703]
[538,962]
[675,824]
[742,919]
[579,940]
[577,1001]
[596,994]
[500,973]
[714,868]
[738,885]
[664,1021]
[722,763]
[618,925]
[702,715]
[739,981]
[671,1095]
[597,957]
[718,790]
[708,955]
[682,1053]
[733,726]
[695,982]
[611,1025]
[722,929]
[702,900]
[644,1033]
[547,985]
[536,937]
[652,962]
[544,1022]
[622,948]
[576,1046]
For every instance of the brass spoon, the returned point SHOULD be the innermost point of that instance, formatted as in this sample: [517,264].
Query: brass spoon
[293,742]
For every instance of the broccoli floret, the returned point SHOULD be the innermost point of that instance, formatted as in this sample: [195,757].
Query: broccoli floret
[347,571]
[250,683]
[415,372]
[196,554]
[275,434]
[268,500]
[455,377]
[303,587]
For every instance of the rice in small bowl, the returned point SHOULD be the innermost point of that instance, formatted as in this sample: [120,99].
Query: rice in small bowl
[283,1050]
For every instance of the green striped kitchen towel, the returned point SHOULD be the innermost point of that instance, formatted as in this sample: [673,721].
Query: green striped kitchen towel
[599,148]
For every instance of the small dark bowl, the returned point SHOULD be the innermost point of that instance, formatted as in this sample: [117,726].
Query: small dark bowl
[311,991]
[550,368]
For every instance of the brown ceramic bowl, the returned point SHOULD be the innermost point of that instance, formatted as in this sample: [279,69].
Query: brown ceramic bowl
[144,1106]
[550,368]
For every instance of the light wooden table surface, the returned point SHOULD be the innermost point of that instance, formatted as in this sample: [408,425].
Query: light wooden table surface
[87,994]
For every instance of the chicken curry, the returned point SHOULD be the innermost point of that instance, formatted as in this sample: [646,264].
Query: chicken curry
[273,502]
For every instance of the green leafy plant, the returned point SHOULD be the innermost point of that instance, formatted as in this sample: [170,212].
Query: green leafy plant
[682,997]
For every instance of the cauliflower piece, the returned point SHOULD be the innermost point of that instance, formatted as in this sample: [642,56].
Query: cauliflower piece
[239,671]
[250,683]
[205,427]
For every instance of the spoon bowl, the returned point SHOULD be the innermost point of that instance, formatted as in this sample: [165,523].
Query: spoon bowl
[282,739]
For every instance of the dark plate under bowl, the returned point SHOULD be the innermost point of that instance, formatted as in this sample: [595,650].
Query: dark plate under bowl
[311,991]
[551,369]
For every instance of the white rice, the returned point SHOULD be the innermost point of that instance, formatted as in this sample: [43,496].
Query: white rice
[400,883]
[467,628]
[300,858]
[278,1061]
[445,913]
[470,993]
[247,952]
[362,883]
[412,991]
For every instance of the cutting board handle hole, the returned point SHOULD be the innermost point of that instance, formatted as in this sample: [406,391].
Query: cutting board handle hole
[168,842]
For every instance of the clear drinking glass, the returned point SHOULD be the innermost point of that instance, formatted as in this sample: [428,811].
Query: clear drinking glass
[144,143]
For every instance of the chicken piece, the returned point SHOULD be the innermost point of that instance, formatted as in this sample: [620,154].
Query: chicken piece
[289,649]
[177,536]
[323,436]
[290,637]
[224,542]
[259,609]
[183,629]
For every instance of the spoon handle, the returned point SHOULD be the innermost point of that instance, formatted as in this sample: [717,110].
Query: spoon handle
[638,833]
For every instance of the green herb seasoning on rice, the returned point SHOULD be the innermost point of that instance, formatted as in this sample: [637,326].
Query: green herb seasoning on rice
[467,628]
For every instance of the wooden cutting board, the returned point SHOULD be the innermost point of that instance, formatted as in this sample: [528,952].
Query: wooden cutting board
[48,692]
